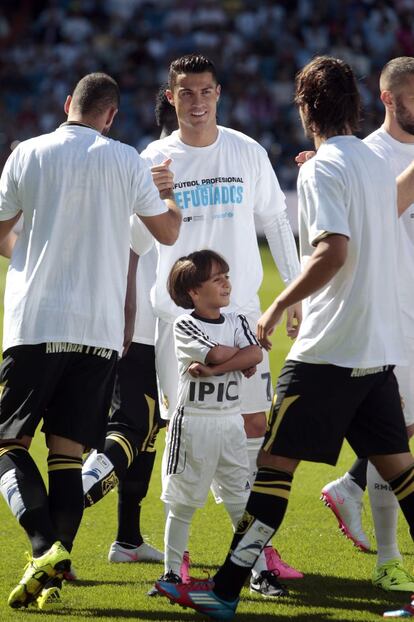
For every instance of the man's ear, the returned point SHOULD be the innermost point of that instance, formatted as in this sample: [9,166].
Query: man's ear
[387,99]
[169,95]
[109,118]
[218,91]
[67,103]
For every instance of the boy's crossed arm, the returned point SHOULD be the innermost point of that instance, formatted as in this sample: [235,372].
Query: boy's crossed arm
[222,359]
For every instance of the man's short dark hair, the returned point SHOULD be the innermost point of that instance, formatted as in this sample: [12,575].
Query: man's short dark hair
[95,93]
[190,272]
[165,114]
[395,73]
[327,93]
[191,63]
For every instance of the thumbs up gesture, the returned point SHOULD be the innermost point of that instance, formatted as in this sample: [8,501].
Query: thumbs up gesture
[163,178]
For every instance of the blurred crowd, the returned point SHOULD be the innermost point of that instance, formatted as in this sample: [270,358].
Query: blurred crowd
[257,45]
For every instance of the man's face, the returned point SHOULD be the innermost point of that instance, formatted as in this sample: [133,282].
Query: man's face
[404,106]
[195,97]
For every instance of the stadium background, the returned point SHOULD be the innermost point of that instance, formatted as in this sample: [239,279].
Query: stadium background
[258,46]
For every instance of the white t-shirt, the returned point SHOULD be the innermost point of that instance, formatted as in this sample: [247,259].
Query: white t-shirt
[67,275]
[398,156]
[354,321]
[220,188]
[194,338]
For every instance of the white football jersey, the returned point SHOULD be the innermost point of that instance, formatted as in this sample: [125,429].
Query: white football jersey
[68,271]
[220,189]
[354,320]
[398,156]
[194,337]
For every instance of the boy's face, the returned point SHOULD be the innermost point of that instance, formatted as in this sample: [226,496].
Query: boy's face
[213,293]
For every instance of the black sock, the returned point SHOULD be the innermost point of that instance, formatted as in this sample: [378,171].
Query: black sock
[403,488]
[264,513]
[131,490]
[358,472]
[24,491]
[120,451]
[65,496]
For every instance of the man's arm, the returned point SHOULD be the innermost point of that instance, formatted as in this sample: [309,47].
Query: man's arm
[327,259]
[6,227]
[405,189]
[164,227]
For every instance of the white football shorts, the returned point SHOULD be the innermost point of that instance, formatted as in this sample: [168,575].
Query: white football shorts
[201,450]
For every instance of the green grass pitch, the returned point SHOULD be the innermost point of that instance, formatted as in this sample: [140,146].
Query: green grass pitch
[336,586]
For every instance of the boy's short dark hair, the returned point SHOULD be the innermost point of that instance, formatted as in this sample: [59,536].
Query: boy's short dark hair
[190,272]
[95,93]
[327,93]
[191,63]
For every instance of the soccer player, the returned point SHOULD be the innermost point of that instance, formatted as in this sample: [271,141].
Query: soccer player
[135,420]
[206,439]
[64,311]
[223,180]
[394,142]
[338,379]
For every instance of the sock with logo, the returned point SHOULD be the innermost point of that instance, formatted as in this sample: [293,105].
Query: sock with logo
[403,487]
[358,472]
[384,507]
[263,515]
[132,489]
[65,496]
[24,491]
[102,470]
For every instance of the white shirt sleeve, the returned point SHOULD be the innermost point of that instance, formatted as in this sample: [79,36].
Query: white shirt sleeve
[270,207]
[244,335]
[192,344]
[141,239]
[323,194]
[9,196]
[147,201]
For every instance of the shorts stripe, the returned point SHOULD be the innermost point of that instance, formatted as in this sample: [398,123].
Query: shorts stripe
[286,403]
[174,452]
[151,415]
[6,448]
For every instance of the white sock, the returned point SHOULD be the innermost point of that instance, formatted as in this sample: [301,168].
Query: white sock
[384,507]
[254,445]
[177,528]
[235,511]
[96,464]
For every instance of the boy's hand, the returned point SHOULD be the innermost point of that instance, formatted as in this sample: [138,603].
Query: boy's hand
[163,178]
[197,370]
[249,372]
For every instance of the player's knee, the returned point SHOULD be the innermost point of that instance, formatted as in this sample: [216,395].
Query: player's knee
[255,424]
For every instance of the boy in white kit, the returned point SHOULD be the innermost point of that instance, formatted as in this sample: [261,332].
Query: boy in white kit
[206,440]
